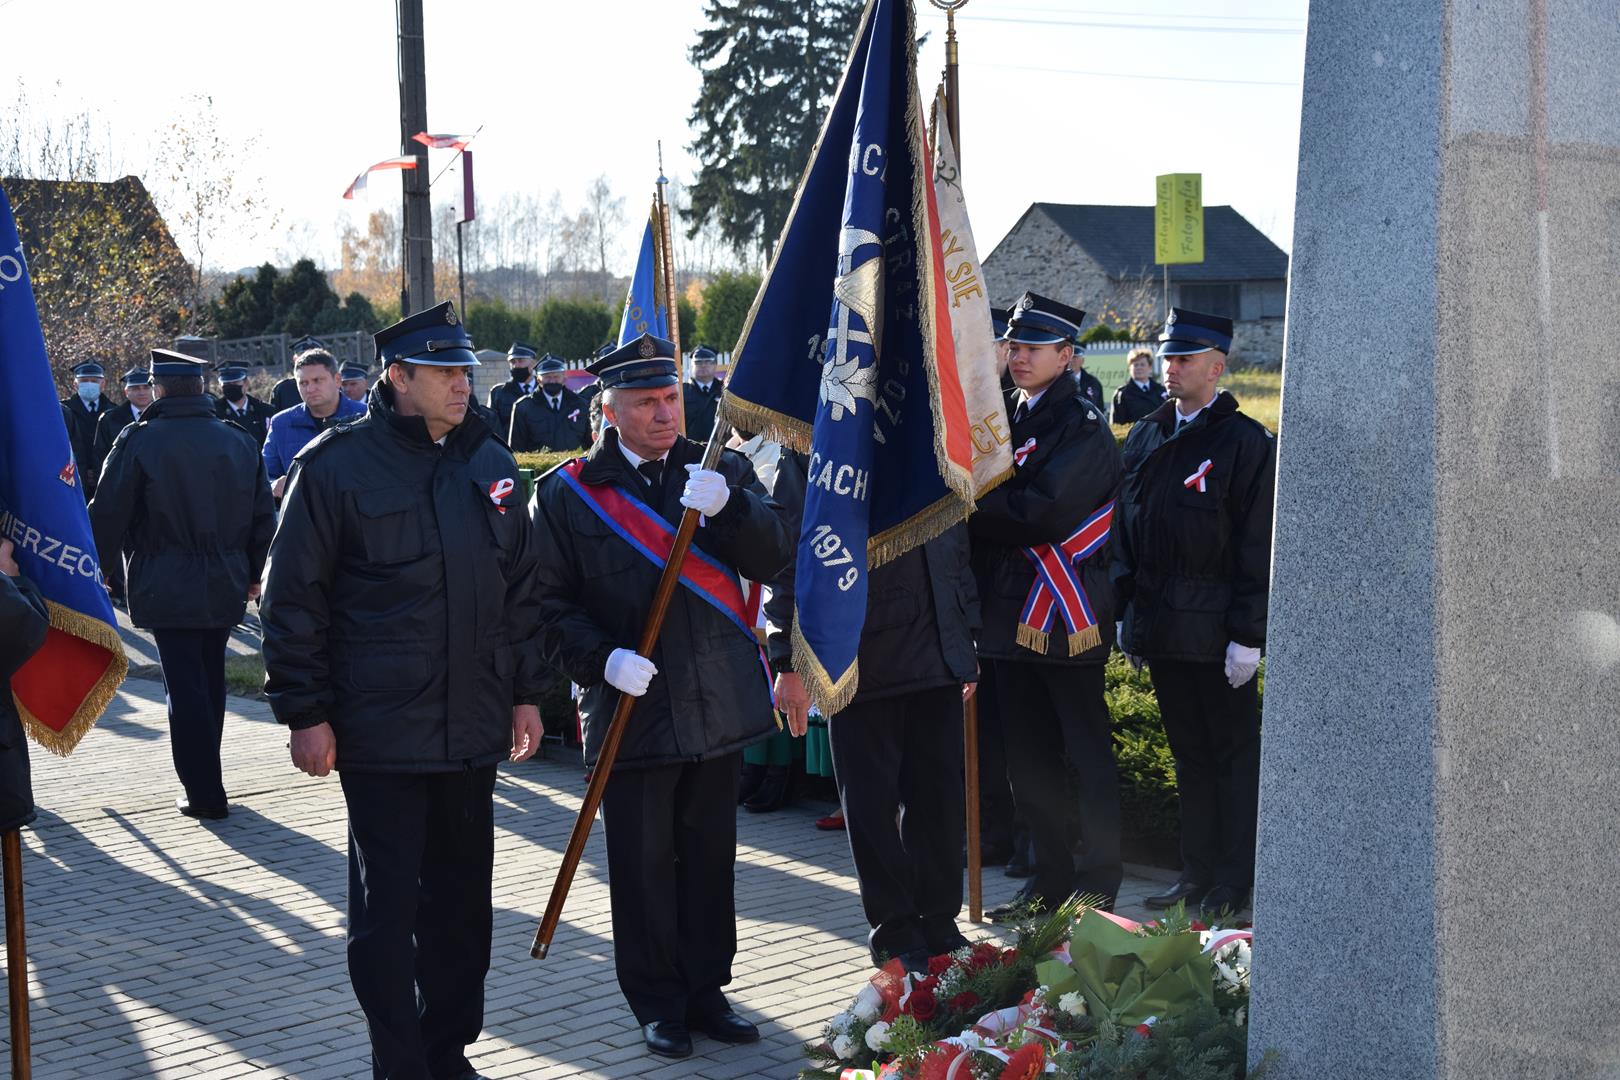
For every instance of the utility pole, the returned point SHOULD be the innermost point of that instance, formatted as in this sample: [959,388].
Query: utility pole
[417,235]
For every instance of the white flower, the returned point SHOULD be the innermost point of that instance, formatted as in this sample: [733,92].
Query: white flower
[842,1022]
[843,1046]
[1073,1003]
[969,1038]
[1242,1015]
[868,1003]
[877,1036]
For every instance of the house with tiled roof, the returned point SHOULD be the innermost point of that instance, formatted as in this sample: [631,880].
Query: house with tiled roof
[1100,259]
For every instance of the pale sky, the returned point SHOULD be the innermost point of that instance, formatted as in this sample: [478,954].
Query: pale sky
[1077,101]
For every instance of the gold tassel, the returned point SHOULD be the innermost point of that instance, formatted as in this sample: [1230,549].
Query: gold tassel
[757,419]
[829,694]
[1089,638]
[1033,639]
[68,621]
[915,531]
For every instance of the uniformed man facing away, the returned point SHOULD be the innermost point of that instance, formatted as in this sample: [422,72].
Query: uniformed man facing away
[553,417]
[137,383]
[354,380]
[1049,634]
[670,807]
[1192,560]
[397,623]
[240,407]
[81,412]
[520,359]
[897,746]
[184,496]
[1141,393]
[702,394]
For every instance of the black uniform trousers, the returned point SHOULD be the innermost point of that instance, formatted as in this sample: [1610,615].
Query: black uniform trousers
[1214,733]
[996,814]
[1060,759]
[193,664]
[897,762]
[672,846]
[421,856]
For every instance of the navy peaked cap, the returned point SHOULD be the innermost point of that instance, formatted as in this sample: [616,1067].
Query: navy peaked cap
[519,351]
[431,338]
[643,362]
[169,362]
[1035,320]
[1188,332]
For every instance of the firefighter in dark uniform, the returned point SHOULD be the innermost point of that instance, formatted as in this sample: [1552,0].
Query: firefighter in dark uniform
[1192,560]
[520,360]
[354,381]
[1049,668]
[900,736]
[670,807]
[81,412]
[137,396]
[397,622]
[240,407]
[1141,393]
[1090,386]
[1002,838]
[553,417]
[702,394]
[184,496]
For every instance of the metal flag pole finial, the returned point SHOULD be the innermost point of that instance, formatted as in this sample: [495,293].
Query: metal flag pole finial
[952,115]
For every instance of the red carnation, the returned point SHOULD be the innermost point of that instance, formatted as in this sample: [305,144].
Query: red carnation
[1009,958]
[1198,926]
[922,1004]
[1026,1063]
[939,965]
[1145,1030]
[966,1001]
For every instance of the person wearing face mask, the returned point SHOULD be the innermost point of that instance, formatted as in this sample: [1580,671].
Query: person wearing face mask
[239,407]
[81,412]
[553,417]
[503,398]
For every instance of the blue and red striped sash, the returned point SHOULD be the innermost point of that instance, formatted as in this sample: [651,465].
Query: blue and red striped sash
[1058,590]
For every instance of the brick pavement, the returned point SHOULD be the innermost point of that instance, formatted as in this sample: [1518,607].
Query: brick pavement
[161,946]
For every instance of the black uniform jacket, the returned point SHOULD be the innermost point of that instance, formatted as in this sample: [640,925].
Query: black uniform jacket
[537,426]
[255,420]
[111,423]
[1193,567]
[1071,470]
[1131,402]
[922,609]
[700,406]
[710,696]
[503,397]
[185,495]
[81,428]
[399,604]
[23,623]
[284,395]
[1090,388]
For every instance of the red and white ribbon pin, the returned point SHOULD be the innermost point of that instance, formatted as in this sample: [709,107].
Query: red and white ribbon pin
[1197,478]
[1024,451]
[499,490]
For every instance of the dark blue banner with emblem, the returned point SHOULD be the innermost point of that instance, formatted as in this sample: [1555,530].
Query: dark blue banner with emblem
[62,690]
[847,354]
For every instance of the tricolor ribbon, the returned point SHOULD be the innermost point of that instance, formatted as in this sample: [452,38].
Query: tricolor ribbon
[499,490]
[1024,451]
[1197,478]
[1058,589]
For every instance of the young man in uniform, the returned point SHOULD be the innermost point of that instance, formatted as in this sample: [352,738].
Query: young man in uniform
[502,398]
[239,407]
[398,618]
[670,806]
[553,417]
[1048,634]
[1192,561]
[702,394]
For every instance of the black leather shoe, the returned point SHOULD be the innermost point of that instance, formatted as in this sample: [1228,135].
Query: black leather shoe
[725,1026]
[667,1038]
[208,813]
[772,793]
[1188,892]
[1224,898]
[1017,907]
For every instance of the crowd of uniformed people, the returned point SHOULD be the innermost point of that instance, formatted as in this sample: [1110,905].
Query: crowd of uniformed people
[414,610]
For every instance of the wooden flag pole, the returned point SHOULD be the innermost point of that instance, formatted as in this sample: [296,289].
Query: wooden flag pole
[621,713]
[666,259]
[970,713]
[16,954]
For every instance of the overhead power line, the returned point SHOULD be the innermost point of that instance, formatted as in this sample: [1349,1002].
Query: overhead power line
[1128,75]
[1187,28]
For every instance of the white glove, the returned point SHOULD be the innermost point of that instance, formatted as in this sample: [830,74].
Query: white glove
[706,491]
[629,672]
[1241,663]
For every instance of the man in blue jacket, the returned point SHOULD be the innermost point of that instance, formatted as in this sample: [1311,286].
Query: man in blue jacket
[323,406]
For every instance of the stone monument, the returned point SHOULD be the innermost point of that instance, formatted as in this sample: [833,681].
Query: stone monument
[1440,790]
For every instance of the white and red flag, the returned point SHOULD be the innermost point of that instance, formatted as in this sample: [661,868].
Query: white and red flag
[405,161]
[442,142]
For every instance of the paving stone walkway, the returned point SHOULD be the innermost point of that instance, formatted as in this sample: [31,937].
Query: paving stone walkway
[161,946]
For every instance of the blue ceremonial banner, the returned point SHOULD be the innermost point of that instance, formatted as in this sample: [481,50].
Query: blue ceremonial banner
[848,354]
[64,687]
[643,313]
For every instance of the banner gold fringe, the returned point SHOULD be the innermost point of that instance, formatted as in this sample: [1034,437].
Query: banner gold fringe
[829,694]
[1038,640]
[777,427]
[61,743]
[1033,639]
